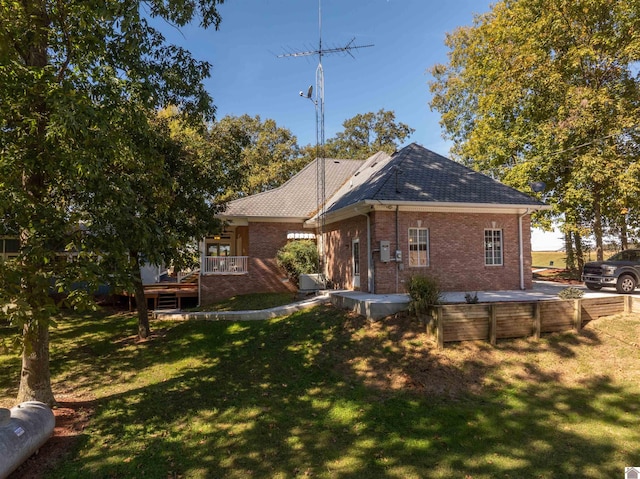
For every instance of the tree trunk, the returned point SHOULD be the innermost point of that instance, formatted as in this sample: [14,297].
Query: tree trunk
[624,235]
[568,247]
[35,376]
[597,227]
[141,302]
[35,379]
[579,252]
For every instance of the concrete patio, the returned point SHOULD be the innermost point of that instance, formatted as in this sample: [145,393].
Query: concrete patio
[378,306]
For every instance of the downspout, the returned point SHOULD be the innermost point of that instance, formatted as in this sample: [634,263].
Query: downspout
[521,245]
[397,245]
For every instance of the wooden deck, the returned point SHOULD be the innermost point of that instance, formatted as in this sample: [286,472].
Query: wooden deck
[170,295]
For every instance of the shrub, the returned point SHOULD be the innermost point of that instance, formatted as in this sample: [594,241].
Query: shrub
[298,257]
[571,293]
[471,298]
[424,293]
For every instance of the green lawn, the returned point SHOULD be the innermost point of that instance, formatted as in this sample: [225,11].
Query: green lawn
[554,259]
[326,395]
[248,302]
[558,258]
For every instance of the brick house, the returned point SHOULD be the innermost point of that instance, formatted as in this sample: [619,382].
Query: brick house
[385,218]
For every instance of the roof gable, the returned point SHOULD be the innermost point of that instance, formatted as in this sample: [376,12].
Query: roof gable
[416,174]
[297,198]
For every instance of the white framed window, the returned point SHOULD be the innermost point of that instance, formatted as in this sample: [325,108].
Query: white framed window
[492,247]
[418,247]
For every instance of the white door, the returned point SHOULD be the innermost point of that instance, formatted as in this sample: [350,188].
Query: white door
[355,261]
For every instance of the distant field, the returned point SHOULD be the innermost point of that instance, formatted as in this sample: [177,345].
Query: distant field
[544,258]
[548,258]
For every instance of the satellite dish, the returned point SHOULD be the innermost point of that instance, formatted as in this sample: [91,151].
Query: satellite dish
[308,94]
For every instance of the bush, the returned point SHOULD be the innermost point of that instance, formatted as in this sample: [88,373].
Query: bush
[424,293]
[571,293]
[471,298]
[298,257]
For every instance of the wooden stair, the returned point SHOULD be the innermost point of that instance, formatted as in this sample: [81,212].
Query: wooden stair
[167,301]
[191,278]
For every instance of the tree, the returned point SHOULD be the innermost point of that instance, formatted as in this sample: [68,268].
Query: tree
[77,83]
[269,154]
[157,198]
[366,134]
[545,91]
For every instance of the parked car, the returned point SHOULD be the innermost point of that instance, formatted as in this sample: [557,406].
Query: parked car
[621,271]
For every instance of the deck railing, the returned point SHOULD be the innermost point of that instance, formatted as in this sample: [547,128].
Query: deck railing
[188,276]
[225,264]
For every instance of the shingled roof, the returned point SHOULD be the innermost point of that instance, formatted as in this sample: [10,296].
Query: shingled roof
[416,174]
[297,197]
[413,175]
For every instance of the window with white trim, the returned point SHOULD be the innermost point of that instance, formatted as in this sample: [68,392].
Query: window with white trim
[418,247]
[355,250]
[492,247]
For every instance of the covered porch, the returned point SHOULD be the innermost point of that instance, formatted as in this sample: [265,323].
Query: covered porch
[225,253]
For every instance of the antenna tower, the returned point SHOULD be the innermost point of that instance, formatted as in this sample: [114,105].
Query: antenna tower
[319,108]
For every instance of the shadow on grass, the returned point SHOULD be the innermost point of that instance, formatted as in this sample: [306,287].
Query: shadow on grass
[313,395]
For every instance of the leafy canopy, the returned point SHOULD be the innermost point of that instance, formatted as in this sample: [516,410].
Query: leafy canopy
[366,134]
[267,155]
[80,82]
[547,90]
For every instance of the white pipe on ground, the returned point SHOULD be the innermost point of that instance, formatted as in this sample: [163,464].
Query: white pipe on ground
[23,430]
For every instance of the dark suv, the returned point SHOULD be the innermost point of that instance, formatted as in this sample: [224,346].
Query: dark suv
[622,270]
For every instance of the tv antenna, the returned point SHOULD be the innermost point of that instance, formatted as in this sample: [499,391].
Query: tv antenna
[318,101]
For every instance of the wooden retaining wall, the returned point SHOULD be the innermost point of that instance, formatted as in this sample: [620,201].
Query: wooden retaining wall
[493,321]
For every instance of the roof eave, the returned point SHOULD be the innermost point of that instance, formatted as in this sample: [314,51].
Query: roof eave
[245,220]
[454,207]
[366,206]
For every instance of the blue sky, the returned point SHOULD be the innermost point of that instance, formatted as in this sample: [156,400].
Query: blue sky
[248,77]
[408,37]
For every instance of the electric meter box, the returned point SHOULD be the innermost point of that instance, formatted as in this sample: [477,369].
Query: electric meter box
[385,251]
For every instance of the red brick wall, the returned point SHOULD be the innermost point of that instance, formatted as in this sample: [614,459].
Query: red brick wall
[456,254]
[456,251]
[263,276]
[339,237]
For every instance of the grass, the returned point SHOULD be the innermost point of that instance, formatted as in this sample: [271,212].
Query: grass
[557,259]
[247,302]
[326,395]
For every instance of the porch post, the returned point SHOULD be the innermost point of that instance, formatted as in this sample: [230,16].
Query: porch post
[201,249]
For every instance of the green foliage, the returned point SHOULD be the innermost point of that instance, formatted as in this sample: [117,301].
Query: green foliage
[571,293]
[266,155]
[424,293]
[548,91]
[366,134]
[81,147]
[298,257]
